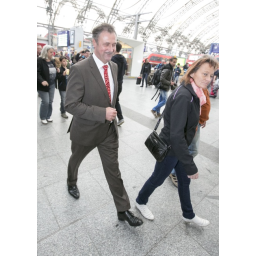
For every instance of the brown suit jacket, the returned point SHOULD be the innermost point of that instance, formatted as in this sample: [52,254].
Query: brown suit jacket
[87,99]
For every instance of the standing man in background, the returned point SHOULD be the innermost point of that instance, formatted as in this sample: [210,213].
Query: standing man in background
[91,97]
[177,73]
[120,60]
[39,49]
[145,71]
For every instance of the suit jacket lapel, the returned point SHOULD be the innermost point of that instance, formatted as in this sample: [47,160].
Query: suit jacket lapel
[114,75]
[96,73]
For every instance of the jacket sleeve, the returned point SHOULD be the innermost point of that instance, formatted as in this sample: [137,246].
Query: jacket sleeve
[142,68]
[178,118]
[39,71]
[164,74]
[205,109]
[74,95]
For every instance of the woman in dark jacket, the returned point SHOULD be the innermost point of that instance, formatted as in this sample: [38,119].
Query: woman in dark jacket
[181,117]
[46,82]
[62,84]
[145,71]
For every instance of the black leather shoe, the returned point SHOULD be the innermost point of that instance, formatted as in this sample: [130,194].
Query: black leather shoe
[130,218]
[73,191]
[141,86]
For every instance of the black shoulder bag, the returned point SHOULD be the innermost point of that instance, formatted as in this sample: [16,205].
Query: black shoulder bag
[155,145]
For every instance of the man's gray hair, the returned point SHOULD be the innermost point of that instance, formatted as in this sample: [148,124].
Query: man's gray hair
[102,27]
[44,51]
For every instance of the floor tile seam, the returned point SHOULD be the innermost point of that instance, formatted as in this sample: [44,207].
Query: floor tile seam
[46,157]
[100,185]
[204,197]
[52,234]
[133,169]
[49,204]
[164,237]
[88,234]
[58,153]
[71,223]
[214,142]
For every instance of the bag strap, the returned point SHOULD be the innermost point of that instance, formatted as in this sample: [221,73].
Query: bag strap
[158,122]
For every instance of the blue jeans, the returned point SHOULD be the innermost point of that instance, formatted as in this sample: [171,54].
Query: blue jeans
[162,101]
[144,76]
[193,147]
[161,172]
[46,103]
[176,79]
[62,101]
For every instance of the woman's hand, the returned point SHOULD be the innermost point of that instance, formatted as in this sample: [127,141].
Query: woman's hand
[195,176]
[58,70]
[64,73]
[44,83]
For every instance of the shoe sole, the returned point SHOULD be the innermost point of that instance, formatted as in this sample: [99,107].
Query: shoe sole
[196,224]
[120,124]
[130,224]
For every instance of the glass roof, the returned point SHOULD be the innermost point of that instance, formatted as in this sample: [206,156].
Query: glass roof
[182,25]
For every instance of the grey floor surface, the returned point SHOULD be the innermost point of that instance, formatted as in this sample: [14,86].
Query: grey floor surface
[89,226]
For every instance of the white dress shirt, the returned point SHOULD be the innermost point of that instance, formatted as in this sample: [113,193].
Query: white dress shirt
[100,65]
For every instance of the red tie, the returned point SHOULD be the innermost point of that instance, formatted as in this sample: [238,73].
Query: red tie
[107,80]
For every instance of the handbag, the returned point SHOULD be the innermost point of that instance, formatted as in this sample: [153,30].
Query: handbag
[138,81]
[156,145]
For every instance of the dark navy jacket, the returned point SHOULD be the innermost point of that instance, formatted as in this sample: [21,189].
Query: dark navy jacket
[181,117]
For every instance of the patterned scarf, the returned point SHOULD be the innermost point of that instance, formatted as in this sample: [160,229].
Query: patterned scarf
[199,92]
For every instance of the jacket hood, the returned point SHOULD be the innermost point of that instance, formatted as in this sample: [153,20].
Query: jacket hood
[119,57]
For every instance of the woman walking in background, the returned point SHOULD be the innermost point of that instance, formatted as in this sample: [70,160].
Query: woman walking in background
[46,82]
[62,84]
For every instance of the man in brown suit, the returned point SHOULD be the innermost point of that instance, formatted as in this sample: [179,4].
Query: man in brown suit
[90,97]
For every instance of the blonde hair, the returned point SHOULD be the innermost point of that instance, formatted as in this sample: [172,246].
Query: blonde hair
[44,52]
[197,64]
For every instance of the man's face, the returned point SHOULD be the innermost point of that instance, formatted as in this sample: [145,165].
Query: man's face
[173,62]
[162,61]
[87,54]
[39,49]
[105,47]
[146,61]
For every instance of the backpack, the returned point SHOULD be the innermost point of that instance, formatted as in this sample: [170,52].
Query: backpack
[156,78]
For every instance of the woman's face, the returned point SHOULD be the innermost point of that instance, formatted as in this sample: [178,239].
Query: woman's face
[203,75]
[50,54]
[64,62]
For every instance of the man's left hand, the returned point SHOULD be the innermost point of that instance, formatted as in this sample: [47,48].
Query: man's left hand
[203,124]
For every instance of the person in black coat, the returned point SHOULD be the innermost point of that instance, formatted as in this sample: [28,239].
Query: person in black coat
[181,117]
[145,71]
[120,60]
[62,77]
[46,82]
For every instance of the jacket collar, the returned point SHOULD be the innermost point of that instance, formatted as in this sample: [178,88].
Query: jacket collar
[190,88]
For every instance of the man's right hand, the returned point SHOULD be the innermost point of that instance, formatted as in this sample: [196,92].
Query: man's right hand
[44,83]
[111,114]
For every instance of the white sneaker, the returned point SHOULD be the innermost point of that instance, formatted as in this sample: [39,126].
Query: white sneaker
[146,213]
[120,122]
[198,221]
[49,120]
[44,121]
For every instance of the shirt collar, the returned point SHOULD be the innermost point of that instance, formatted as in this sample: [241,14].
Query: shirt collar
[98,62]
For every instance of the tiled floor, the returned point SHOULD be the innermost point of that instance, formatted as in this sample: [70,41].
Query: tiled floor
[89,226]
